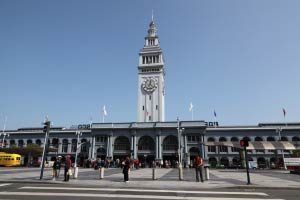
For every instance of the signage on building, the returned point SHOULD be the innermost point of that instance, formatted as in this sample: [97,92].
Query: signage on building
[212,124]
[81,126]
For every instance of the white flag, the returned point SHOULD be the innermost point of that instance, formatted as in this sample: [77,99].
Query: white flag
[104,111]
[191,107]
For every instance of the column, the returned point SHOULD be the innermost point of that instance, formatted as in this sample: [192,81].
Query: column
[111,150]
[135,147]
[92,148]
[160,148]
[59,146]
[108,146]
[156,147]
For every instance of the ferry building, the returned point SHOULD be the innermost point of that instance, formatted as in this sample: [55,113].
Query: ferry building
[152,138]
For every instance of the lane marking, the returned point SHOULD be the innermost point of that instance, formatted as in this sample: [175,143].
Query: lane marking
[123,196]
[146,190]
[5,184]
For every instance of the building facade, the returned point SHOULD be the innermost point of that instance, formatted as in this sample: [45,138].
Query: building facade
[152,139]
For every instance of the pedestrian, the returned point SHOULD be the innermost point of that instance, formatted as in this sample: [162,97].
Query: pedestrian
[198,167]
[126,169]
[56,168]
[68,170]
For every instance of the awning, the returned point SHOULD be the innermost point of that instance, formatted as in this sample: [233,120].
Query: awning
[263,145]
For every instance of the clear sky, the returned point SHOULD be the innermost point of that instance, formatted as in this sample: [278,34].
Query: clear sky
[67,58]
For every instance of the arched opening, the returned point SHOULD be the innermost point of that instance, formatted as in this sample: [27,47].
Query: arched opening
[236,162]
[38,142]
[270,139]
[146,143]
[295,139]
[146,147]
[101,153]
[170,143]
[170,150]
[261,162]
[258,139]
[273,162]
[74,145]
[212,161]
[225,162]
[12,143]
[283,138]
[121,148]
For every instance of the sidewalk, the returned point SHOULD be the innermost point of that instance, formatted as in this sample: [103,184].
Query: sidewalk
[167,178]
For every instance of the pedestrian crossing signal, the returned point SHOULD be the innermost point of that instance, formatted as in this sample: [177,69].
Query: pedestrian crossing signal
[244,143]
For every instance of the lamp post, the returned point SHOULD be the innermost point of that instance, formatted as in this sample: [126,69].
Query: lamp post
[78,133]
[4,135]
[279,130]
[180,130]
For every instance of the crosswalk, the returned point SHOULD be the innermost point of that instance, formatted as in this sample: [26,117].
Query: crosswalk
[131,193]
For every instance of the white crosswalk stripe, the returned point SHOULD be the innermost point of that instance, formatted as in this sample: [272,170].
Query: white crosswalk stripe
[5,184]
[145,190]
[131,196]
[131,193]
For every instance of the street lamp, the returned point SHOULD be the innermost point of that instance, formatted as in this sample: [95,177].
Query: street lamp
[78,133]
[180,130]
[279,130]
[4,135]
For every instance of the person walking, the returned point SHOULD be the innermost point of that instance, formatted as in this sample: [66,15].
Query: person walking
[126,169]
[56,168]
[68,170]
[199,166]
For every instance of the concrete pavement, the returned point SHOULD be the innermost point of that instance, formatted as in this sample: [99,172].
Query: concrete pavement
[167,178]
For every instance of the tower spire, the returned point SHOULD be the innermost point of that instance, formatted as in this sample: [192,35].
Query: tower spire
[152,18]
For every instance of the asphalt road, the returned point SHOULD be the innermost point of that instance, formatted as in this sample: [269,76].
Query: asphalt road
[29,191]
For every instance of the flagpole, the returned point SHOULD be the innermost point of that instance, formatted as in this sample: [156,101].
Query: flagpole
[192,114]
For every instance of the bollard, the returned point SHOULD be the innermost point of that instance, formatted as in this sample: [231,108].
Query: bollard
[180,172]
[101,172]
[154,174]
[206,168]
[75,172]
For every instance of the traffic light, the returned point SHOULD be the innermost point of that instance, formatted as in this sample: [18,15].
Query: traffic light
[46,127]
[244,143]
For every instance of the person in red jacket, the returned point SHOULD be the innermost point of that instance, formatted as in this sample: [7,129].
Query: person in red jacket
[198,166]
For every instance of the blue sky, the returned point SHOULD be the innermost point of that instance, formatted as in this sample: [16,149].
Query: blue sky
[66,59]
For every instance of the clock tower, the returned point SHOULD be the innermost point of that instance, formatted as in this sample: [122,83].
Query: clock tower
[151,78]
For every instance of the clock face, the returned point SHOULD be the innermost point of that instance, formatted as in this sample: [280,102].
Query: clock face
[149,84]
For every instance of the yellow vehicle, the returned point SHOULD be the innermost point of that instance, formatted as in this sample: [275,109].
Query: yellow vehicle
[9,159]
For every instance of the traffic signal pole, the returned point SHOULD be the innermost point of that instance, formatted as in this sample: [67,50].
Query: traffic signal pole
[46,131]
[247,165]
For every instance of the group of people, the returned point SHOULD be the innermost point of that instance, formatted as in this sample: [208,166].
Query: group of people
[126,166]
[67,165]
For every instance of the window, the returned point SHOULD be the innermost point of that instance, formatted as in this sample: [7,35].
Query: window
[143,107]
[149,118]
[149,97]
[156,107]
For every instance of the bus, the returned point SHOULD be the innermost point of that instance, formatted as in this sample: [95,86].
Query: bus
[9,159]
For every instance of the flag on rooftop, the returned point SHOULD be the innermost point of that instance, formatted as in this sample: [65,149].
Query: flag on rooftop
[284,112]
[104,111]
[215,114]
[191,107]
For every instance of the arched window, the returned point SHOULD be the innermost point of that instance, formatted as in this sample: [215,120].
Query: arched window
[211,148]
[223,148]
[65,146]
[38,142]
[258,139]
[284,139]
[295,139]
[55,142]
[270,139]
[146,143]
[84,145]
[122,143]
[234,149]
[170,143]
[29,142]
[20,143]
[12,142]
[74,145]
